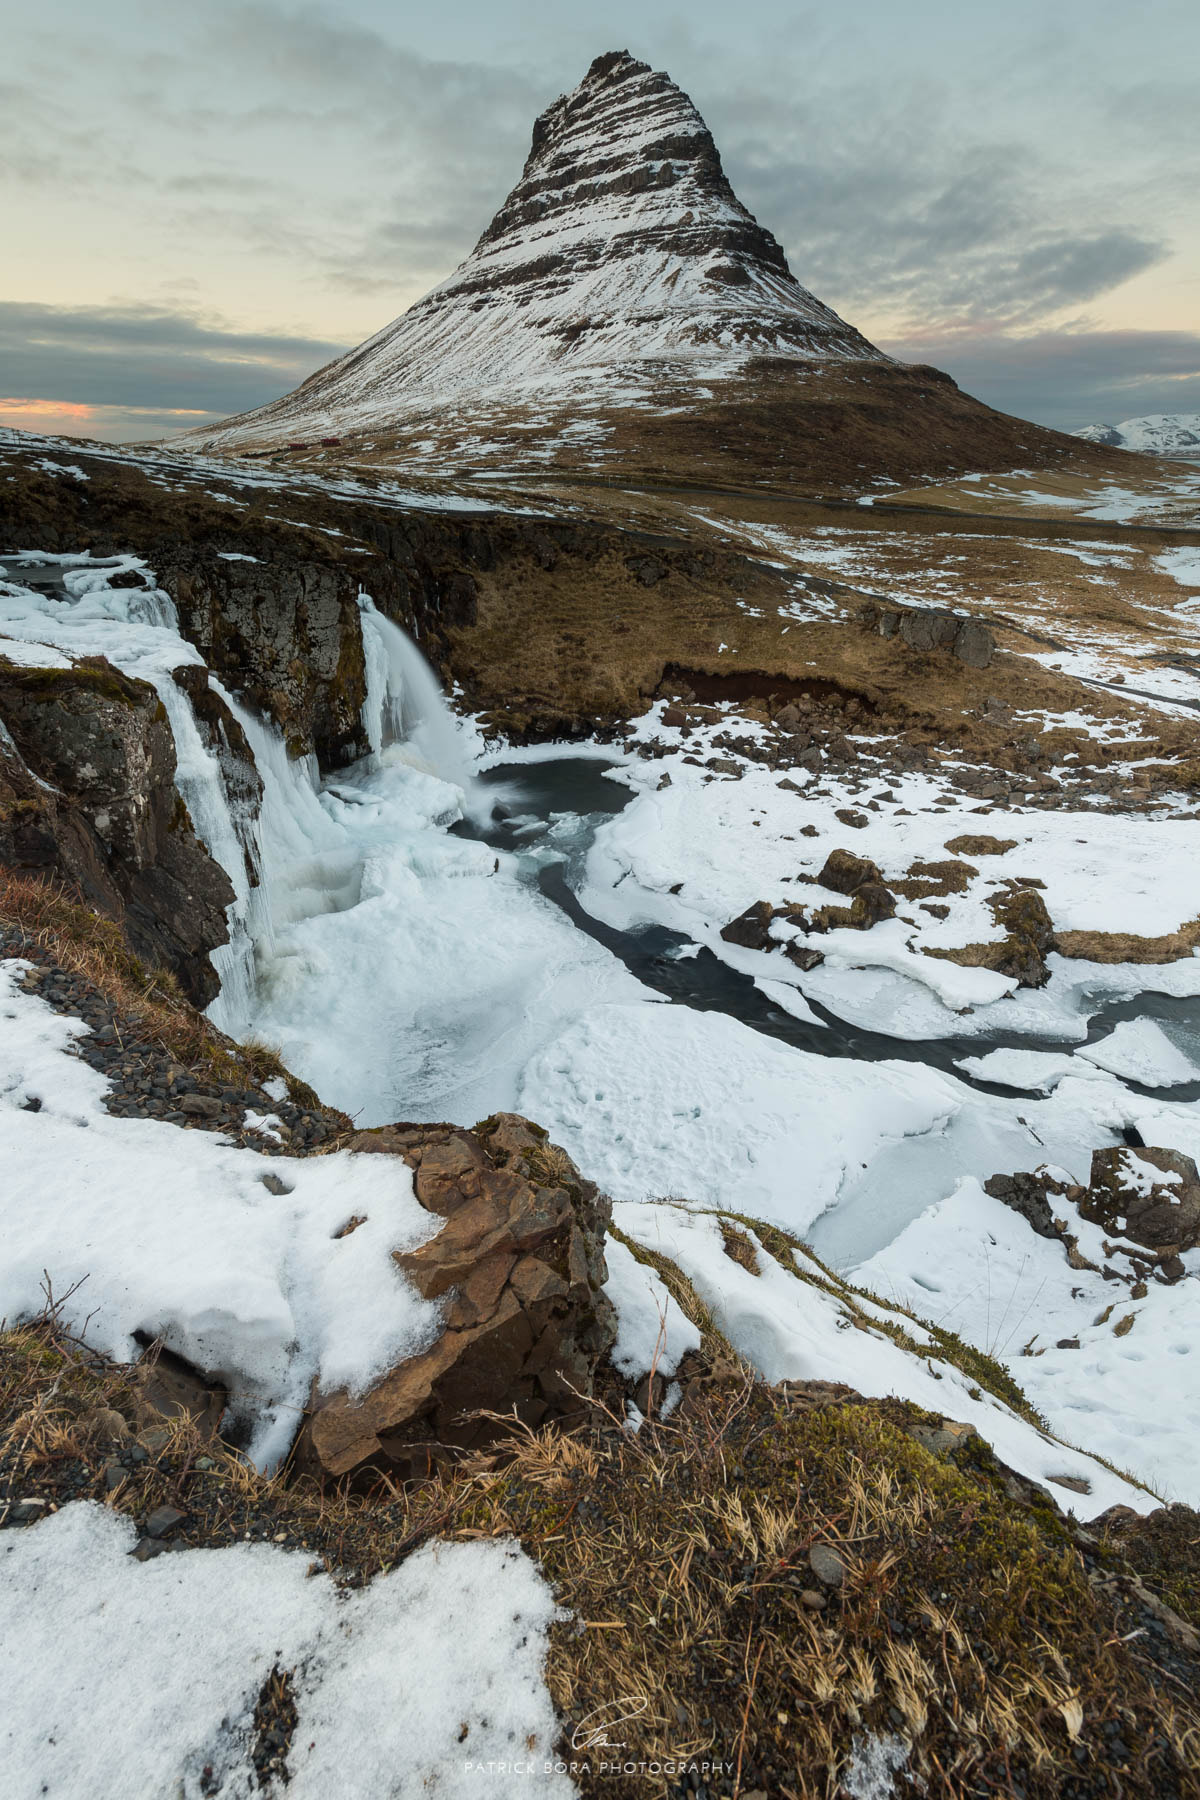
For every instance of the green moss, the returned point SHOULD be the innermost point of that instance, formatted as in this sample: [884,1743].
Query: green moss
[91,676]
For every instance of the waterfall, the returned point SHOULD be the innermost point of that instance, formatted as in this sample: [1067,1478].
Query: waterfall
[302,850]
[230,835]
[405,703]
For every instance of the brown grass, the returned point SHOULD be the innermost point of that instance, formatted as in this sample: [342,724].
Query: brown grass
[84,942]
[965,1624]
[1125,946]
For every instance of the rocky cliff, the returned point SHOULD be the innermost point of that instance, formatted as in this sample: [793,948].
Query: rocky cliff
[87,794]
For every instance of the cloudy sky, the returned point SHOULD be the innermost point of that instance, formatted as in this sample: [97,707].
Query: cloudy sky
[200,206]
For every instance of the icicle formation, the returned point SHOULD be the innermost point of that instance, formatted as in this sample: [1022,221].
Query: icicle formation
[405,703]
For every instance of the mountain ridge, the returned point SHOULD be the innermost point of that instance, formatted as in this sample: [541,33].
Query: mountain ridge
[1154,434]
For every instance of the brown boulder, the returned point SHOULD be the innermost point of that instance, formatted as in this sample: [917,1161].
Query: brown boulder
[845,873]
[857,876]
[751,929]
[519,1264]
[1147,1196]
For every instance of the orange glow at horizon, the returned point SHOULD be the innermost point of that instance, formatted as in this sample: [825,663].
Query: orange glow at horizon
[78,418]
[61,409]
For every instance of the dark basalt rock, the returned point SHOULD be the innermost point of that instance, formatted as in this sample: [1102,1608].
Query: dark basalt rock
[1147,1195]
[1145,1199]
[87,793]
[285,633]
[751,929]
[925,628]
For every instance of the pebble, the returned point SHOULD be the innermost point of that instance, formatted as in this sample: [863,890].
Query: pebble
[163,1520]
[827,1565]
[147,1548]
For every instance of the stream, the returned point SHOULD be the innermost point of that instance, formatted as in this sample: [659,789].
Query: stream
[532,799]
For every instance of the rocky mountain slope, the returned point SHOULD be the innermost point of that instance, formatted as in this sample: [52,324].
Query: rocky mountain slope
[1158,434]
[623,308]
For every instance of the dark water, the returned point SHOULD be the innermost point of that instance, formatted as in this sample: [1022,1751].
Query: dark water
[527,798]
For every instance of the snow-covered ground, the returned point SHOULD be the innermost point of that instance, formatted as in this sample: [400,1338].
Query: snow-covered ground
[1106,1370]
[411,971]
[123,1677]
[179,1237]
[798,1326]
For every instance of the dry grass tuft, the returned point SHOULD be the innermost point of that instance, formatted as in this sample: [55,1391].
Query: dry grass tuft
[967,1625]
[739,1248]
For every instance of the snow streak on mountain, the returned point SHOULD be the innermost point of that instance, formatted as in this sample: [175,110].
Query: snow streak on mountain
[621,252]
[1158,434]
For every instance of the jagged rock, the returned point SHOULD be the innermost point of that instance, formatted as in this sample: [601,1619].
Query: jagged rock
[751,929]
[926,628]
[1146,1195]
[1026,1194]
[520,1266]
[858,877]
[1030,936]
[1141,1196]
[803,956]
[87,793]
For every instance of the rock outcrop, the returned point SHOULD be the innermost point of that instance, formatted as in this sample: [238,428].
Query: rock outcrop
[87,793]
[285,633]
[1147,1195]
[1145,1199]
[932,628]
[1028,938]
[520,1266]
[857,877]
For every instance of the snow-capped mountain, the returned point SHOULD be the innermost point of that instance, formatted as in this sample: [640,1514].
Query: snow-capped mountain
[1158,434]
[624,311]
[622,247]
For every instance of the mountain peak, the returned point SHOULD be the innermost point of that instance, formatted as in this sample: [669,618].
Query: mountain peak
[628,150]
[621,263]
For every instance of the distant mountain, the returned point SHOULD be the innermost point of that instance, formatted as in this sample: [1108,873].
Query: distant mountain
[623,308]
[1158,434]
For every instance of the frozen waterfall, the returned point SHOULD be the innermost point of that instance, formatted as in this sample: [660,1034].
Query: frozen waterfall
[405,703]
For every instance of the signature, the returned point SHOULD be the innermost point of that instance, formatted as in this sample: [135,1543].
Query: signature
[591,1733]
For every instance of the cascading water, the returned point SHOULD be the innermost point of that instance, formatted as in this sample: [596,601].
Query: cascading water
[405,703]
[310,844]
[302,851]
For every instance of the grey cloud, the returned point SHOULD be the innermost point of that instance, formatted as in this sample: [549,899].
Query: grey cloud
[146,357]
[1069,378]
[889,214]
